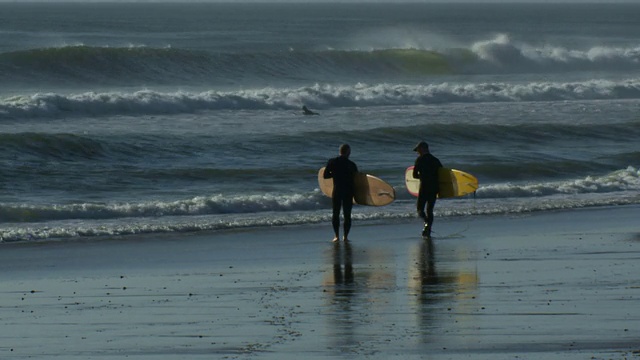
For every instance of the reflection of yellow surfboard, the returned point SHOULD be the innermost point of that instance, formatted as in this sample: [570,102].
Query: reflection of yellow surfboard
[369,190]
[452,182]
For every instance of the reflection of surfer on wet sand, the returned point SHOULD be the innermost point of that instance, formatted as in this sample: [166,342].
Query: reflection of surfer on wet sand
[306,111]
[455,286]
[427,265]
[342,294]
[341,258]
[356,283]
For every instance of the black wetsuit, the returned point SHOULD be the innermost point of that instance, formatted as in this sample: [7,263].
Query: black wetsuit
[343,171]
[426,169]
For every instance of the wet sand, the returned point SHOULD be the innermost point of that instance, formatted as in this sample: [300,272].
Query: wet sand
[559,285]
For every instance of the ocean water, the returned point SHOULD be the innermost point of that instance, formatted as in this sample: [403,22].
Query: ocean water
[125,119]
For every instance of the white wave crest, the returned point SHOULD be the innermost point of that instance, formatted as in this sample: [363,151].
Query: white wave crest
[318,96]
[621,180]
[213,205]
[511,55]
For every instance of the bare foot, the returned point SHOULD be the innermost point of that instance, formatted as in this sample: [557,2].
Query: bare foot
[335,239]
[345,239]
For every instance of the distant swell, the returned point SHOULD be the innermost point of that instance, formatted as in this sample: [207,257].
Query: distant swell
[319,96]
[156,66]
[104,65]
[50,145]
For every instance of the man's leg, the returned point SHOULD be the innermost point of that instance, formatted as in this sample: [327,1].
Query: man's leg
[422,200]
[335,219]
[431,203]
[347,205]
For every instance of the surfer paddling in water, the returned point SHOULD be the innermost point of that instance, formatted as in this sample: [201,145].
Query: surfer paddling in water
[426,169]
[306,111]
[342,171]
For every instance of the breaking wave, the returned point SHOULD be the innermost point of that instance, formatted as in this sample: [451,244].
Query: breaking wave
[220,212]
[137,65]
[319,96]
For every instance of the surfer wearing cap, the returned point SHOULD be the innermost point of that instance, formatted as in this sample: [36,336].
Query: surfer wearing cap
[342,171]
[426,169]
[306,111]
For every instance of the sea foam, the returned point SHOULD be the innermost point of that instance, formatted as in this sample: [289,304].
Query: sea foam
[320,96]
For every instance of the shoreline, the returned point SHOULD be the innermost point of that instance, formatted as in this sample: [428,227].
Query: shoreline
[535,289]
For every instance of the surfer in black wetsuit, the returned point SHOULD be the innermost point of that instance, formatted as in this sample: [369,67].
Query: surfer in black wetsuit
[306,111]
[426,169]
[343,172]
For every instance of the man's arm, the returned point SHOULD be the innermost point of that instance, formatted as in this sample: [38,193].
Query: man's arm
[328,170]
[416,172]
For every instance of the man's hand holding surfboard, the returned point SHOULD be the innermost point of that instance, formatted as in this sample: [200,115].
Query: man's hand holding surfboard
[452,182]
[369,190]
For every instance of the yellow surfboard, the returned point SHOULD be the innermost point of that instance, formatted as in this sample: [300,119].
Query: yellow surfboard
[452,182]
[369,190]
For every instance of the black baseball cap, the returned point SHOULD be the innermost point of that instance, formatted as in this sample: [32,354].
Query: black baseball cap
[421,144]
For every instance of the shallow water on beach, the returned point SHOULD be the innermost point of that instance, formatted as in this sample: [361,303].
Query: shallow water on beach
[114,123]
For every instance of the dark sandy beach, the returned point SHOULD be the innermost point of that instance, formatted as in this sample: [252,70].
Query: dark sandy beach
[559,285]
